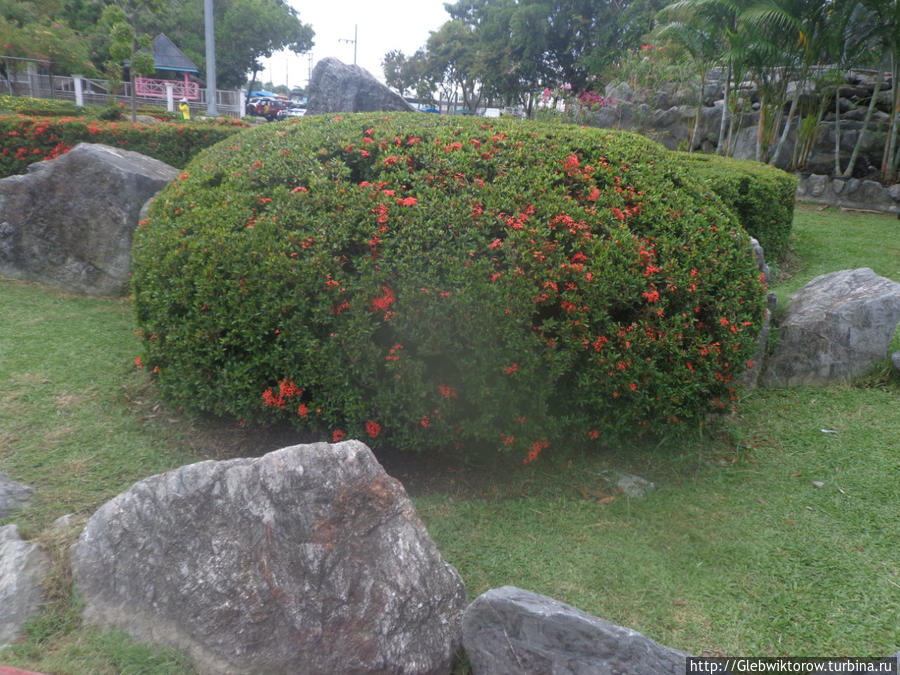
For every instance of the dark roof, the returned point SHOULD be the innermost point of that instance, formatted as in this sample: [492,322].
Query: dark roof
[169,57]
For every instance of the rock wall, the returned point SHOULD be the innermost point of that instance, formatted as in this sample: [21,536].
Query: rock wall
[851,193]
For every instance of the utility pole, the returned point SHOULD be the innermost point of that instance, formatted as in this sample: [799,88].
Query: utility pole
[210,39]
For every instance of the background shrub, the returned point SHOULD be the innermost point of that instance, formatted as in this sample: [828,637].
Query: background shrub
[48,107]
[25,140]
[426,280]
[760,195]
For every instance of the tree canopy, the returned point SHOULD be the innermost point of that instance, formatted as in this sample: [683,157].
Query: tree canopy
[75,35]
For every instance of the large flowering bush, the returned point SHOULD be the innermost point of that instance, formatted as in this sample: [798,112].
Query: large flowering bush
[426,281]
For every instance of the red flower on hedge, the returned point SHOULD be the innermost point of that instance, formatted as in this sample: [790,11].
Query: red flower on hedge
[383,302]
[373,429]
[408,201]
[337,436]
[651,296]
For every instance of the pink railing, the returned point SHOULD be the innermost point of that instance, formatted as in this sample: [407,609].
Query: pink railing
[151,88]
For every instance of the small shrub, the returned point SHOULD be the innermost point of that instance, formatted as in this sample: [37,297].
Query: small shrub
[114,112]
[38,107]
[761,196]
[429,281]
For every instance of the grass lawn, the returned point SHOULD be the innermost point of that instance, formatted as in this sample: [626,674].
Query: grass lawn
[737,552]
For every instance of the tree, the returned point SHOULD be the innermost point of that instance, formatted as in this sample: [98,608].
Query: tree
[250,30]
[697,41]
[128,42]
[453,60]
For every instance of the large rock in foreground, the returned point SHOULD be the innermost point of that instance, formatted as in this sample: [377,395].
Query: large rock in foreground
[310,559]
[509,631]
[68,222]
[23,567]
[337,87]
[834,328]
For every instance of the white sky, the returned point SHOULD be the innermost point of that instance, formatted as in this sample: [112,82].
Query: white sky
[382,25]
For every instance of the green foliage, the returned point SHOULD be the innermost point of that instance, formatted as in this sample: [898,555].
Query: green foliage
[25,140]
[761,196]
[38,107]
[649,69]
[52,42]
[428,280]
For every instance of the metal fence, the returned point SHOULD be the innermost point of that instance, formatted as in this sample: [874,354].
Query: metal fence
[28,82]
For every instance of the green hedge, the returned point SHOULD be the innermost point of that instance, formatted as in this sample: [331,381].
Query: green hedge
[25,140]
[761,196]
[425,281]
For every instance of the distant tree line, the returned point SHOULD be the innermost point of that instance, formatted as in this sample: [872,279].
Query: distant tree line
[509,51]
[93,37]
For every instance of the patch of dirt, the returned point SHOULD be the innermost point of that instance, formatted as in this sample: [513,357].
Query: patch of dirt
[211,438]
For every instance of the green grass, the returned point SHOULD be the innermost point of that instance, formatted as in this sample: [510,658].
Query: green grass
[736,552]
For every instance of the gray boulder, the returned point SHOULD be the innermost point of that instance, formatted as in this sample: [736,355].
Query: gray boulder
[835,327]
[23,567]
[509,631]
[68,222]
[337,87]
[895,359]
[308,559]
[13,495]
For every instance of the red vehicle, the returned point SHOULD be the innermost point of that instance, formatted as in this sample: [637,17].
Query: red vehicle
[267,107]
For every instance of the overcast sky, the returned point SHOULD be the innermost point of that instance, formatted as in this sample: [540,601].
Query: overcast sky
[381,25]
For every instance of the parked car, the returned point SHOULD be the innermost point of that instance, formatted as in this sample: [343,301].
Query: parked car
[294,110]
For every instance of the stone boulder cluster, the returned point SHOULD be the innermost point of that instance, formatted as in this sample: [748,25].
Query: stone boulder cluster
[667,113]
[307,559]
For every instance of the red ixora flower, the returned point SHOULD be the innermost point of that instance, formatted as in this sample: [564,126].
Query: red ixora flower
[535,451]
[408,201]
[383,302]
[337,435]
[373,429]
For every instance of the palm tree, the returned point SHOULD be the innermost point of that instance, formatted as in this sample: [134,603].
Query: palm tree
[720,20]
[702,49]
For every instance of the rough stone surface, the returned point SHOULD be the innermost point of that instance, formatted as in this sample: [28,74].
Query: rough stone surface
[23,567]
[13,495]
[509,631]
[895,359]
[849,193]
[760,256]
[68,222]
[337,87]
[633,486]
[834,328]
[308,559]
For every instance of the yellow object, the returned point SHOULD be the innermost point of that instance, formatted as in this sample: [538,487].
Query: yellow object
[185,111]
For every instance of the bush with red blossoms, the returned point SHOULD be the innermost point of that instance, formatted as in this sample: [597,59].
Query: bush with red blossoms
[427,281]
[25,140]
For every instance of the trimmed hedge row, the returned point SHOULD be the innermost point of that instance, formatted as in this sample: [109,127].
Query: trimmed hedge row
[760,195]
[25,140]
[427,281]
